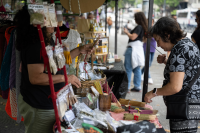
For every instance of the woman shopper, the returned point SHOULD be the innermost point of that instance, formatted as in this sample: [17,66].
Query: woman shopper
[181,67]
[109,21]
[151,55]
[134,55]
[196,35]
[34,104]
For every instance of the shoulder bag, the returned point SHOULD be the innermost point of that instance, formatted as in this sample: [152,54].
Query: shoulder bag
[178,106]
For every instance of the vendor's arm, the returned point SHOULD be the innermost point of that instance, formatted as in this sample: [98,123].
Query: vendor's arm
[37,77]
[173,87]
[86,49]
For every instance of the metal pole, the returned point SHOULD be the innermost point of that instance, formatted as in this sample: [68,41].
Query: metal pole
[146,70]
[119,19]
[164,8]
[116,16]
[122,20]
[106,18]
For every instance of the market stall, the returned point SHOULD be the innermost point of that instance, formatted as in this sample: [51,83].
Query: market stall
[99,105]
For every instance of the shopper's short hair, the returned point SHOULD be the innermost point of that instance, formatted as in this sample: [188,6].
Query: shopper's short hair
[166,27]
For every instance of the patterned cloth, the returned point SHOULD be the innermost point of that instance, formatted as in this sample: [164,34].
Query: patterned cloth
[5,68]
[18,82]
[12,77]
[185,57]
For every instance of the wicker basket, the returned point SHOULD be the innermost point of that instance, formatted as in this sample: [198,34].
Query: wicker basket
[86,86]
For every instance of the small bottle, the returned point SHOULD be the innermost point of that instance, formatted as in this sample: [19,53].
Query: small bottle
[100,47]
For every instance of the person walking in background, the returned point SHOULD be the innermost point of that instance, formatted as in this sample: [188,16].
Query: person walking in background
[196,34]
[109,21]
[90,16]
[151,55]
[175,18]
[134,55]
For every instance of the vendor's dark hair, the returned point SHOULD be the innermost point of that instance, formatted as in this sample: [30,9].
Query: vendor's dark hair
[198,15]
[168,29]
[141,20]
[26,34]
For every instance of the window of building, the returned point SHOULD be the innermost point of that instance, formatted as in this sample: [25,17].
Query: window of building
[183,15]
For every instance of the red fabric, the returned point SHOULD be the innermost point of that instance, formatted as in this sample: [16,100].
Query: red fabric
[8,33]
[136,117]
[8,108]
[64,34]
[2,9]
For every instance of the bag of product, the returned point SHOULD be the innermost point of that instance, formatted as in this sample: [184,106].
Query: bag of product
[52,16]
[36,14]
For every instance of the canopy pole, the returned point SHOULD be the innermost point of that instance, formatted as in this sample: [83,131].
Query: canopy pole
[146,70]
[116,16]
[106,17]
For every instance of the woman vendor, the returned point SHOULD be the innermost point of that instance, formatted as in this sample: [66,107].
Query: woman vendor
[34,104]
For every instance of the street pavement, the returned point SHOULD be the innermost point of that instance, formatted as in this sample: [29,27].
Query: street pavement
[156,71]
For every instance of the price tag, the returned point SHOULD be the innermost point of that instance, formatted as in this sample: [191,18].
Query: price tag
[51,10]
[46,10]
[57,51]
[61,50]
[58,12]
[89,122]
[79,40]
[50,53]
[36,7]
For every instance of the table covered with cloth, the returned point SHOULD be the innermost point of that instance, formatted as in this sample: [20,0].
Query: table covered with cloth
[119,77]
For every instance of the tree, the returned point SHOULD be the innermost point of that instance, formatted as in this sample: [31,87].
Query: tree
[112,4]
[171,3]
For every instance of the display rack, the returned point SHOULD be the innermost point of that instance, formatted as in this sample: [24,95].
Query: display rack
[46,64]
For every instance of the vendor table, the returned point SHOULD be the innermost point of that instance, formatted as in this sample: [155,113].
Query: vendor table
[119,77]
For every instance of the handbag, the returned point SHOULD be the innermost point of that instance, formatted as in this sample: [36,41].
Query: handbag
[178,106]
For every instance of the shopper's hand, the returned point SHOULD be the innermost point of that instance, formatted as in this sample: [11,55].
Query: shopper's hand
[126,31]
[74,81]
[148,96]
[161,58]
[86,49]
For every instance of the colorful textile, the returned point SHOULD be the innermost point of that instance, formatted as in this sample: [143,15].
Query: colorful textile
[8,33]
[5,68]
[8,108]
[12,77]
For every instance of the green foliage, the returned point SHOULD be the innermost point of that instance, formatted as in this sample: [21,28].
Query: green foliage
[120,4]
[173,12]
[171,3]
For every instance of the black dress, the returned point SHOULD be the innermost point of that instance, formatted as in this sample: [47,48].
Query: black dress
[185,57]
